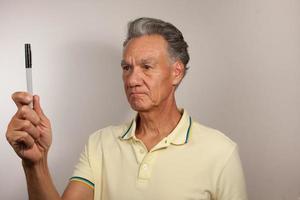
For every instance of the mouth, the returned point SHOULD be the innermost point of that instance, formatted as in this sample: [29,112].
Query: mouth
[136,93]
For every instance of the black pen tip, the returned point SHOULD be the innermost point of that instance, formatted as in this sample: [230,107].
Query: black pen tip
[28,63]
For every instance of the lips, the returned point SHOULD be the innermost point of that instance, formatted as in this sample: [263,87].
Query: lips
[136,93]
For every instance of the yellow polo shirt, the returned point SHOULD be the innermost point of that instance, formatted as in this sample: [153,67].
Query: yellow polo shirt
[193,162]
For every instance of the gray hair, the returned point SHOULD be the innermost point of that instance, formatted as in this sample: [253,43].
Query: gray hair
[177,46]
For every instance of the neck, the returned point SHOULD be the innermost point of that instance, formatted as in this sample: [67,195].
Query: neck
[158,122]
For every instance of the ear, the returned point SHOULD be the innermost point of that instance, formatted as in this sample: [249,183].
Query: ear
[178,72]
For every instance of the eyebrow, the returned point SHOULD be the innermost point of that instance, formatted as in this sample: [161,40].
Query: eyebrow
[123,62]
[147,60]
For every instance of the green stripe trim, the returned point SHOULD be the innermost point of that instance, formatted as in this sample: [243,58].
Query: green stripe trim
[83,179]
[127,130]
[188,131]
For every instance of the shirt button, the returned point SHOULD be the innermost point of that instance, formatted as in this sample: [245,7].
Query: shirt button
[145,167]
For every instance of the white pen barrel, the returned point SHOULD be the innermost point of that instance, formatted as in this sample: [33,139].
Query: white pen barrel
[29,80]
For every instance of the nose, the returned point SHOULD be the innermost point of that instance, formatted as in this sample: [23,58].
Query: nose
[134,78]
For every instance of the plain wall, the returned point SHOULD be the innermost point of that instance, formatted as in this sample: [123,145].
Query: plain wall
[244,79]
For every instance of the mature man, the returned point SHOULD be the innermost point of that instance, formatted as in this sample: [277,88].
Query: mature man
[162,154]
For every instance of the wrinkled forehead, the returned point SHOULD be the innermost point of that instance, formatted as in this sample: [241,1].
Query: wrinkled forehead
[141,57]
[138,61]
[145,47]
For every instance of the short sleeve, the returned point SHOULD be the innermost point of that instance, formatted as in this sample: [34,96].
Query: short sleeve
[231,183]
[84,171]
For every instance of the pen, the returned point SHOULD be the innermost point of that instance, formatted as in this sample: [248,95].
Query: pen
[28,66]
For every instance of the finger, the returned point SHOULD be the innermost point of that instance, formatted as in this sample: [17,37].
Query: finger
[22,98]
[37,106]
[20,139]
[25,112]
[26,126]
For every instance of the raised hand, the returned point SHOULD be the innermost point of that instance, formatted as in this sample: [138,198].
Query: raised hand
[29,131]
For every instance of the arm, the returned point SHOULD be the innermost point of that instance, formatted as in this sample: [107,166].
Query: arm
[29,133]
[231,182]
[40,186]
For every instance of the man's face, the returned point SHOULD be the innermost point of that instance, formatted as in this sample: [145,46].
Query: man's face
[147,73]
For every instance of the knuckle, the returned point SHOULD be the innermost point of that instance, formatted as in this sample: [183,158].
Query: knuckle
[11,137]
[26,124]
[23,111]
[26,136]
[11,126]
[8,136]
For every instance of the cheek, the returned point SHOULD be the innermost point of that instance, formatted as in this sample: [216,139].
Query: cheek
[124,79]
[159,88]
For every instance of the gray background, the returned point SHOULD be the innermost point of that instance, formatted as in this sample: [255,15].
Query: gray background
[244,79]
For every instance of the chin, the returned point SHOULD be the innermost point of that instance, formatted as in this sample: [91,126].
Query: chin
[139,104]
[140,107]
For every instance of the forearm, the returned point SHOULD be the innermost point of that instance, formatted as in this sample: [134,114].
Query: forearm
[39,182]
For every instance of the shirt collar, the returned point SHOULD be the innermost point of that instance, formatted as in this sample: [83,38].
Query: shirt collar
[179,136]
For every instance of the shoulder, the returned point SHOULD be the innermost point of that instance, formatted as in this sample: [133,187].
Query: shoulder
[201,131]
[211,140]
[108,134]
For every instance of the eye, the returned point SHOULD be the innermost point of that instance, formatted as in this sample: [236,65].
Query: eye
[125,67]
[146,66]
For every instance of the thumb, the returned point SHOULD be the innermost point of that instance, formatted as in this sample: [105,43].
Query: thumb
[37,106]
